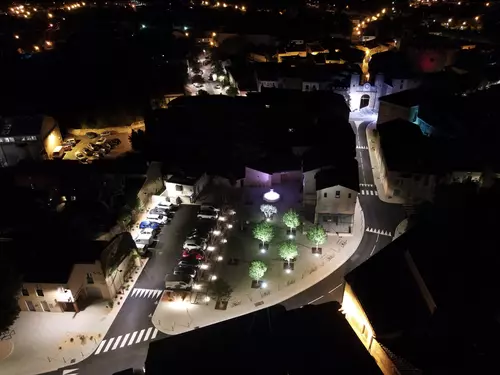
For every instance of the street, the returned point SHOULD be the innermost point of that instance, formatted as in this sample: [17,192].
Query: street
[125,344]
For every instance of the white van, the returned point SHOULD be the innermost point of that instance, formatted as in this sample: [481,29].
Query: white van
[143,240]
[58,152]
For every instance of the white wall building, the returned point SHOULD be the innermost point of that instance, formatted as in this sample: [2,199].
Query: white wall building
[185,187]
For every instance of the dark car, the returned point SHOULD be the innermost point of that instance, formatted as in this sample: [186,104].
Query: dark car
[174,208]
[88,152]
[186,270]
[170,216]
[114,142]
[189,261]
[91,135]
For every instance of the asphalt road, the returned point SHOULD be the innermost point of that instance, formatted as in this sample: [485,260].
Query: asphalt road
[135,313]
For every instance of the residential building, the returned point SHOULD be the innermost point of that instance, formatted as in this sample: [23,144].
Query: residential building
[75,275]
[330,191]
[267,331]
[184,185]
[406,302]
[27,138]
[273,170]
[402,105]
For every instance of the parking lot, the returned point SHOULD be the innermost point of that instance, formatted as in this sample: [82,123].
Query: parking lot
[83,141]
[187,248]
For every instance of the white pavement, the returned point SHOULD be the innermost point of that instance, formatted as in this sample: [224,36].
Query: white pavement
[179,317]
[47,341]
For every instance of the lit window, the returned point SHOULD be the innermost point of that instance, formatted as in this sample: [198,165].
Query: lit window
[25,292]
[39,291]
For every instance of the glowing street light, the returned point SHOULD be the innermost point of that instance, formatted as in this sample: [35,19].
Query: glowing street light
[214,34]
[229,226]
[213,278]
[207,299]
[48,43]
[50,15]
[204,266]
[36,48]
[243,8]
[211,248]
[16,36]
[263,285]
[476,18]
[219,258]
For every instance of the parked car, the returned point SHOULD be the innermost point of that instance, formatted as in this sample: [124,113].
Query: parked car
[91,135]
[101,141]
[209,207]
[93,147]
[197,85]
[71,141]
[67,146]
[164,204]
[114,142]
[88,151]
[157,218]
[173,207]
[194,244]
[207,214]
[107,133]
[217,87]
[107,146]
[149,224]
[170,216]
[84,161]
[158,211]
[178,282]
[198,254]
[96,154]
[202,236]
[189,261]
[79,155]
[192,271]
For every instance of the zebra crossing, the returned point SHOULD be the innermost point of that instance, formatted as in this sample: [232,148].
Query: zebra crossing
[128,339]
[146,293]
[370,189]
[358,147]
[378,231]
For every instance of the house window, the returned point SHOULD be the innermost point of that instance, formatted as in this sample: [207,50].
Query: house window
[337,194]
[307,87]
[349,195]
[90,278]
[25,292]
[179,187]
[39,291]
[325,195]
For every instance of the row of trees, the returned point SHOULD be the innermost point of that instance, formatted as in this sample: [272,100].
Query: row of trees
[287,250]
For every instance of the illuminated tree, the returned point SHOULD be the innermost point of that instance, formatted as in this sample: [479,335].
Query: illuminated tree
[263,231]
[291,219]
[288,251]
[268,210]
[220,289]
[257,270]
[317,235]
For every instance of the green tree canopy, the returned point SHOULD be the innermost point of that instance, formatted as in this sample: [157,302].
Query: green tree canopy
[257,270]
[288,250]
[291,219]
[263,231]
[317,235]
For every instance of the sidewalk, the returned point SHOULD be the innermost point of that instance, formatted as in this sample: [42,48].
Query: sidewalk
[47,341]
[371,140]
[182,316]
[401,228]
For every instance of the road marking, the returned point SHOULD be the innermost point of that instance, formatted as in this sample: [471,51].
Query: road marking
[148,332]
[109,344]
[140,336]
[99,348]
[155,333]
[158,293]
[371,252]
[131,341]
[116,342]
[70,372]
[363,192]
[124,341]
[314,300]
[378,231]
[334,289]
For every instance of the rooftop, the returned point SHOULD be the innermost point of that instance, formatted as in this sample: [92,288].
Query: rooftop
[20,125]
[318,332]
[346,175]
[406,98]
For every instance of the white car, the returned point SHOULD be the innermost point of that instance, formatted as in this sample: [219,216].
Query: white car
[207,214]
[194,244]
[154,218]
[208,207]
[164,204]
[101,141]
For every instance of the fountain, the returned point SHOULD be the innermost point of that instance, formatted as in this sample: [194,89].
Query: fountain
[271,196]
